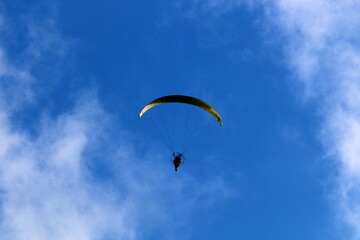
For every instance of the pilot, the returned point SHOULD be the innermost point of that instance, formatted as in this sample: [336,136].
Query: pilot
[177,160]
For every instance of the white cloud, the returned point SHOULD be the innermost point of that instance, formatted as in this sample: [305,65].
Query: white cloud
[46,190]
[322,45]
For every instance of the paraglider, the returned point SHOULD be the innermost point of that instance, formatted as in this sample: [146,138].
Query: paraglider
[189,139]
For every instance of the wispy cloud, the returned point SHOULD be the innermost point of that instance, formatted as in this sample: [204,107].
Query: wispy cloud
[51,185]
[46,193]
[46,190]
[321,40]
[15,84]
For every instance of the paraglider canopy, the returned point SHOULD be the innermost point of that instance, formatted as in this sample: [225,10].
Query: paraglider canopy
[183,99]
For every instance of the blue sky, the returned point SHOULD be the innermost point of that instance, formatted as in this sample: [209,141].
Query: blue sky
[77,163]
